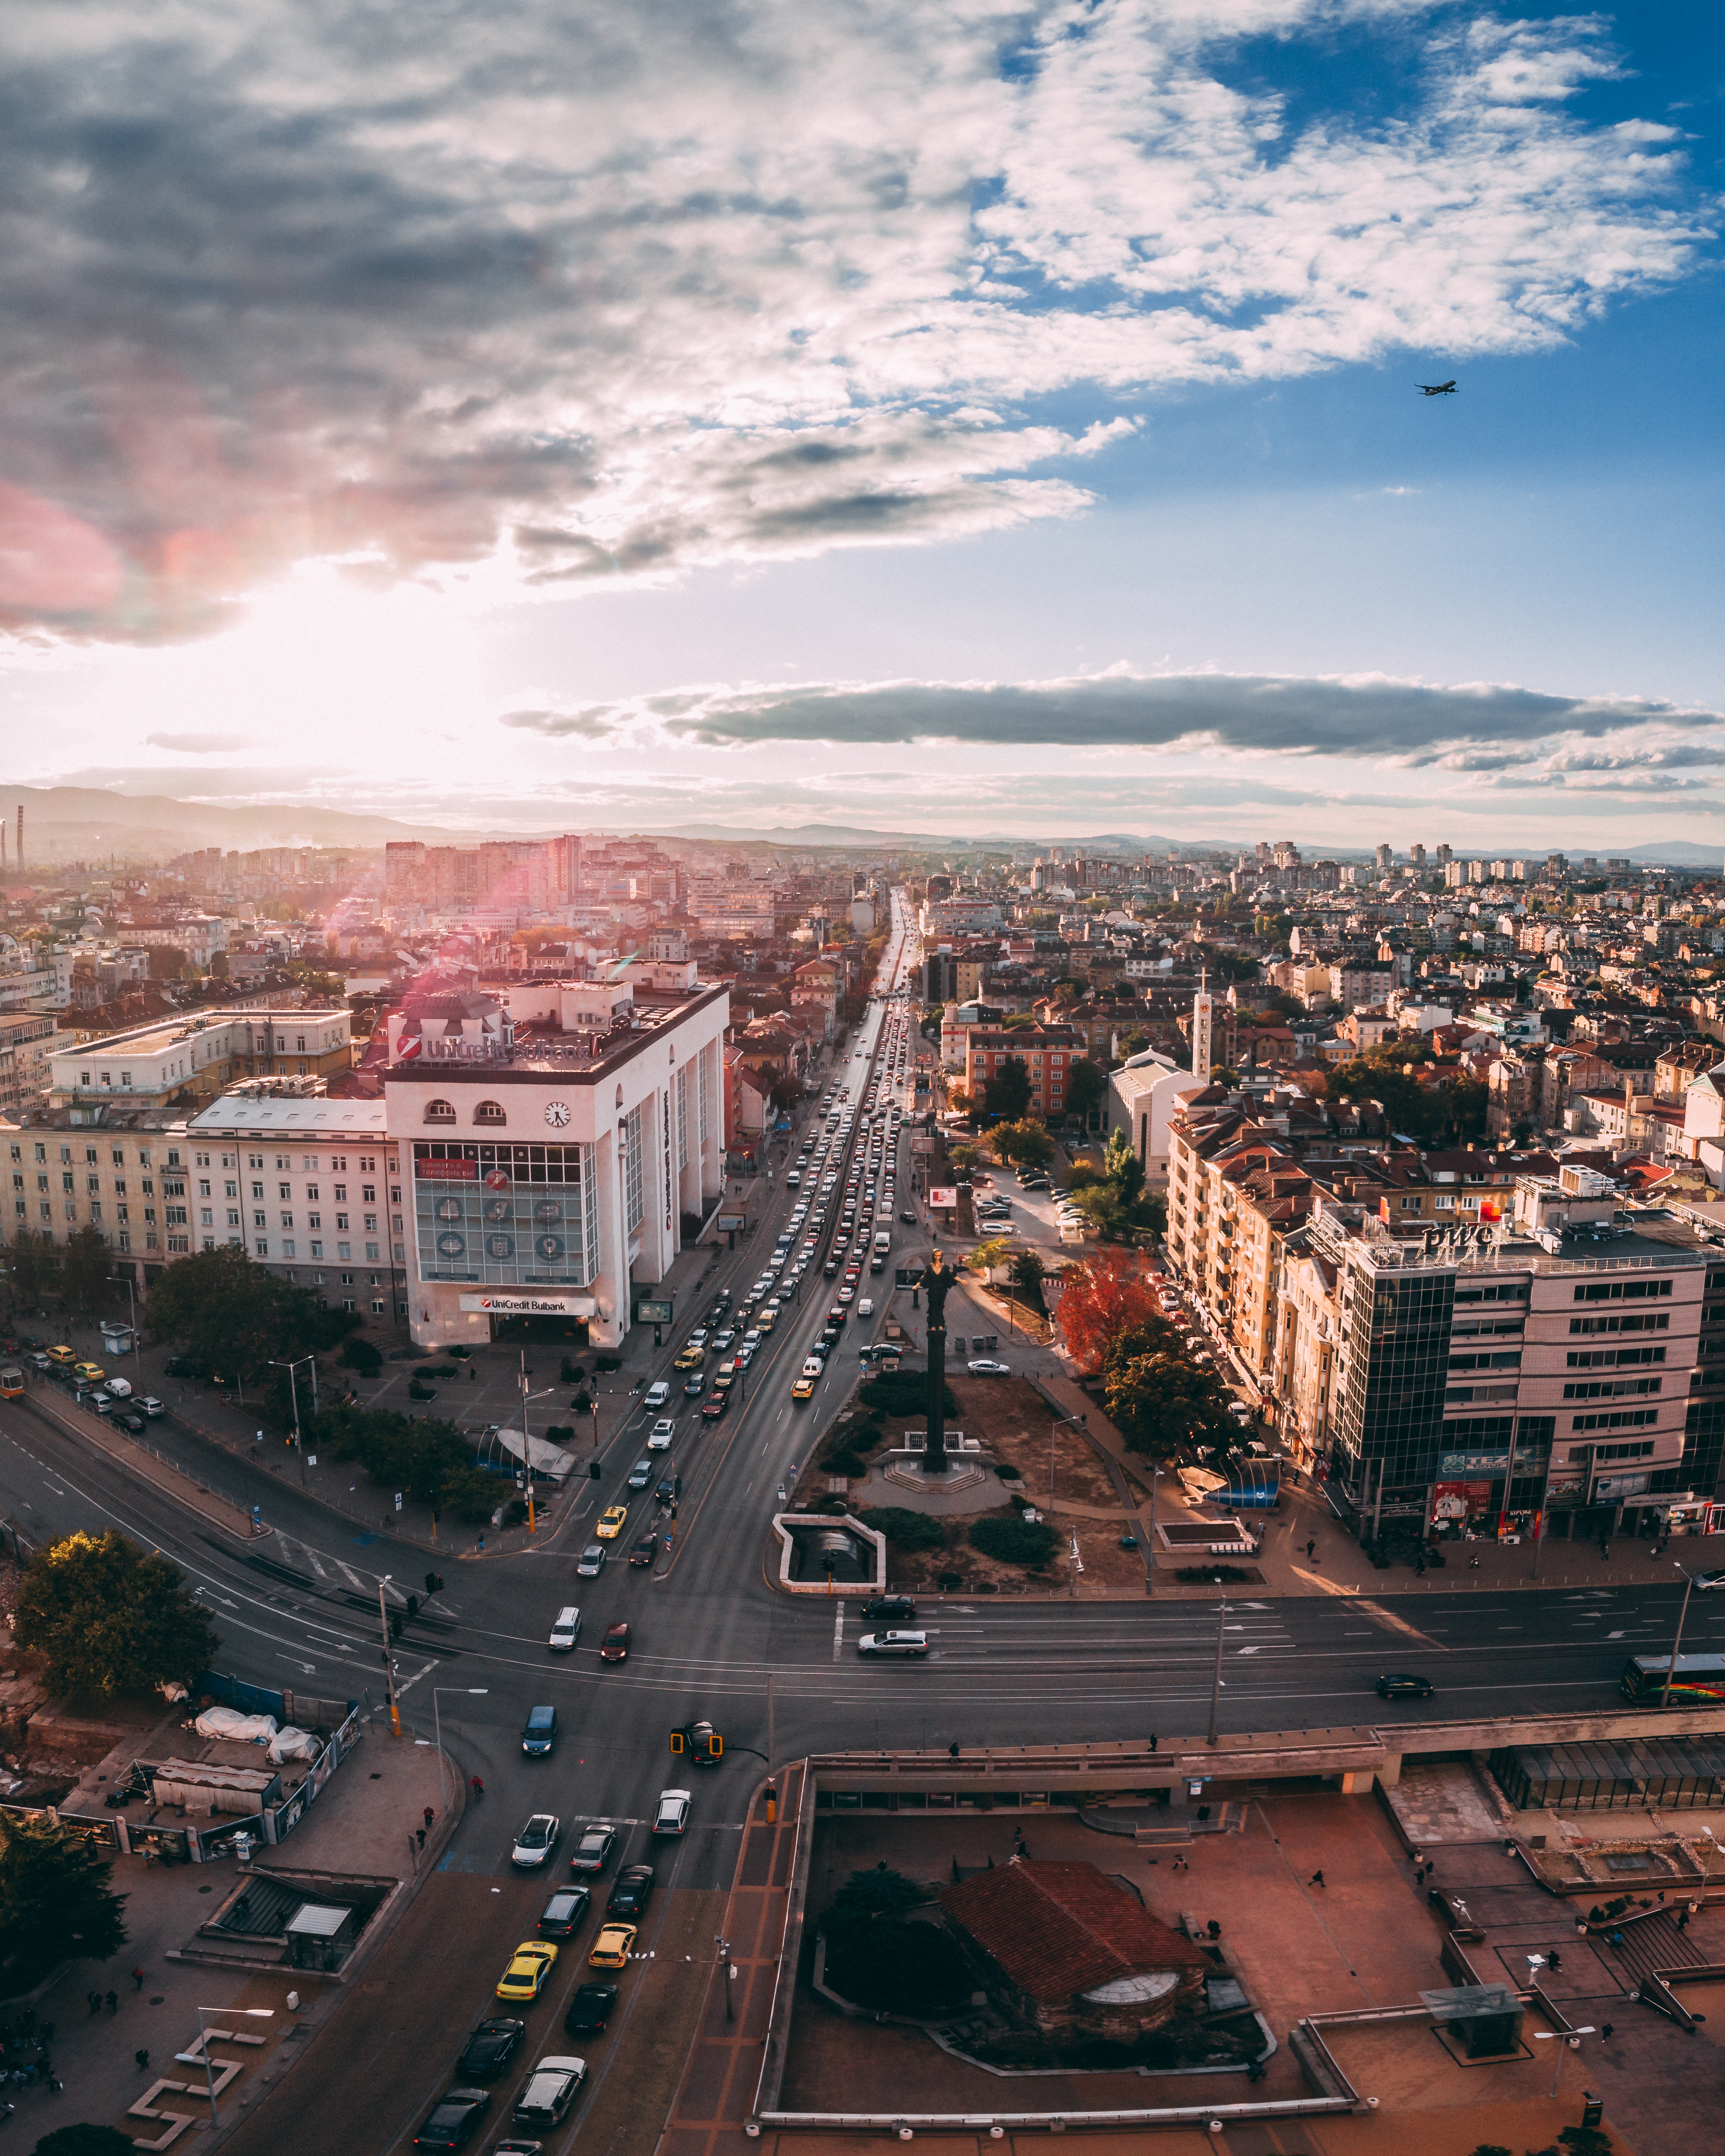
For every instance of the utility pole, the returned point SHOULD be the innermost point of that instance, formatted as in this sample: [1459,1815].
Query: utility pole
[1216,1680]
[527,1447]
[1665,1697]
[389,1659]
[770,1747]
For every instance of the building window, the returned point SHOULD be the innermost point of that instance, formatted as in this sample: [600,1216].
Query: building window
[487,1112]
[317,1250]
[439,1111]
[287,1248]
[344,1250]
[263,1247]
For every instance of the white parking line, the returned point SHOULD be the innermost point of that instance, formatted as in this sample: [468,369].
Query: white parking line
[838,1631]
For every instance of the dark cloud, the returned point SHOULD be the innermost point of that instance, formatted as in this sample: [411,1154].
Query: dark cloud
[558,725]
[1405,720]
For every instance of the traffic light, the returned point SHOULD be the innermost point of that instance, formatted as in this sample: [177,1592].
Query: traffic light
[715,1746]
[431,1583]
[595,1473]
[394,1624]
[413,1606]
[676,1736]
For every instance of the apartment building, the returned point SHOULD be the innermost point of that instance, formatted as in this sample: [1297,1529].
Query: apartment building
[1233,1194]
[29,1040]
[193,1057]
[126,1176]
[553,1148]
[1047,1052]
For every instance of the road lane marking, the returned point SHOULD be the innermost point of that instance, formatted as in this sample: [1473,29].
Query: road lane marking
[838,1630]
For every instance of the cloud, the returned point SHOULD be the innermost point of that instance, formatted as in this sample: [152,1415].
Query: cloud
[1473,726]
[198,744]
[558,725]
[583,294]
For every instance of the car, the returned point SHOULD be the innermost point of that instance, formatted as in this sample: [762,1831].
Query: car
[1403,1684]
[865,1306]
[590,2009]
[120,1388]
[768,1318]
[691,1358]
[633,1890]
[985,1366]
[1706,1582]
[657,1392]
[804,1388]
[91,1372]
[101,1399]
[671,1815]
[643,1548]
[640,1475]
[697,1338]
[132,1424]
[537,1839]
[751,1338]
[611,1948]
[539,1738]
[592,1852]
[615,1645]
[744,1355]
[659,1437]
[612,1521]
[694,1387]
[837,1315]
[892,1607]
[489,2049]
[529,1966]
[725,1377]
[665,1490]
[562,1917]
[712,1408]
[591,1563]
[846,1290]
[550,2088]
[454,2117]
[720,1341]
[150,1406]
[901,1644]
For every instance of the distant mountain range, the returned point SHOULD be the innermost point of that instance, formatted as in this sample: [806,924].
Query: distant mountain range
[84,823]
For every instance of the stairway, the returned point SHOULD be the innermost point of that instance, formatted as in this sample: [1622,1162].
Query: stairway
[1650,1943]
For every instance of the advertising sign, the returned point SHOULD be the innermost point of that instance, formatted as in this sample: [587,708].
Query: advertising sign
[653,1313]
[508,1304]
[944,1195]
[1461,1501]
[732,1224]
[446,1171]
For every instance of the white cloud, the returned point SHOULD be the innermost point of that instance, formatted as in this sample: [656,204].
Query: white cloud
[616,290]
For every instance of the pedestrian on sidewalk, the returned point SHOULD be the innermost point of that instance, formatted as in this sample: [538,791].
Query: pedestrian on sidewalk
[143,2061]
[137,1980]
[1311,1548]
[419,1835]
[1605,2030]
[93,2000]
[1317,1879]
[429,1816]
[113,2002]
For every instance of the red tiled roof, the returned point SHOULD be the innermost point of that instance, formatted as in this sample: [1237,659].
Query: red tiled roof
[1061,1929]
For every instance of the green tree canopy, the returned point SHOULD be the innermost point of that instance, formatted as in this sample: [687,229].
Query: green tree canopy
[1006,1092]
[1026,1143]
[230,1317]
[1086,1086]
[111,1616]
[1443,1114]
[1160,1402]
[396,1451]
[54,1900]
[86,1270]
[35,1262]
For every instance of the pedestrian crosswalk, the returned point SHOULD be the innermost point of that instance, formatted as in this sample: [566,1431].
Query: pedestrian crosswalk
[336,1570]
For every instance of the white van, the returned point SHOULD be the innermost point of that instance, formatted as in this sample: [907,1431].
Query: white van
[566,1631]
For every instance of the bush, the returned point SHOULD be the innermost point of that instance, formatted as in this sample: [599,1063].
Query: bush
[897,1968]
[903,1393]
[362,1356]
[604,1364]
[1007,1472]
[1014,1542]
[905,1530]
[416,1391]
[572,1372]
[850,1465]
[470,1495]
[428,1372]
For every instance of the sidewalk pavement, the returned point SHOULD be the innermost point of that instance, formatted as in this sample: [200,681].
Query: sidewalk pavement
[364,1823]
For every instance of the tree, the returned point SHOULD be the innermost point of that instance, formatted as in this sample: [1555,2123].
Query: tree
[1100,1299]
[1122,1167]
[85,2140]
[1014,1541]
[986,1256]
[396,1451]
[35,1266]
[111,1616]
[1027,1272]
[1086,1087]
[904,1529]
[786,1091]
[1027,1144]
[85,1269]
[1006,1093]
[55,1897]
[230,1316]
[166,963]
[1160,1402]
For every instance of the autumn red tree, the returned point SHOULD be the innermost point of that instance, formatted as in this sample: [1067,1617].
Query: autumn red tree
[1101,1298]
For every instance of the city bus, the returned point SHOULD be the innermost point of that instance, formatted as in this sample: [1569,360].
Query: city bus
[1699,1679]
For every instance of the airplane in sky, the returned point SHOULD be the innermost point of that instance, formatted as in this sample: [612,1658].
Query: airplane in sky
[1436,388]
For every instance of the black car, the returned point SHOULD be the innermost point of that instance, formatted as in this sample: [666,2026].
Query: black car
[667,1490]
[893,1607]
[590,2009]
[454,2119]
[132,1424]
[491,2048]
[634,1889]
[643,1550]
[564,1914]
[177,1366]
[1402,1684]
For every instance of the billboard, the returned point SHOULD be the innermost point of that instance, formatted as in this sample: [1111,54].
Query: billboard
[943,1196]
[530,1306]
[651,1313]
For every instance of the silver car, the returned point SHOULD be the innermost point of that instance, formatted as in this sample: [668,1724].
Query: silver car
[903,1643]
[592,1562]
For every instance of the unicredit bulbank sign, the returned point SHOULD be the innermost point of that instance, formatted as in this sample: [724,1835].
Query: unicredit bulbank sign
[509,1304]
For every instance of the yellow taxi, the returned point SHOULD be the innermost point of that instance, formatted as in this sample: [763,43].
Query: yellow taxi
[91,1372]
[803,1389]
[611,1948]
[63,1359]
[531,1962]
[612,1521]
[766,1319]
[691,1358]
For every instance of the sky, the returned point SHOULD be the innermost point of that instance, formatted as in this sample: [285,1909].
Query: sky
[954,417]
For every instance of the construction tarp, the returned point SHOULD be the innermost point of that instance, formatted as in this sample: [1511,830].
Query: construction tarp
[237,1728]
[550,1461]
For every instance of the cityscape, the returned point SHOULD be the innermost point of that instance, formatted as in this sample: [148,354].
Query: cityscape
[862,1077]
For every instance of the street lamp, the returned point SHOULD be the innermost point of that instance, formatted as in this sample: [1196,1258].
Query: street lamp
[1665,1697]
[1216,1680]
[294,1394]
[1150,1554]
[255,2012]
[1561,2038]
[473,1691]
[124,1279]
